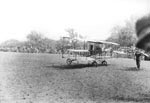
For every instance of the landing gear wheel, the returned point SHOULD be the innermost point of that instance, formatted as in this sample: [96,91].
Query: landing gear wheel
[94,63]
[68,61]
[104,63]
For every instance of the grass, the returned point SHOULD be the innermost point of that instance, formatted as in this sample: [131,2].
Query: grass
[45,78]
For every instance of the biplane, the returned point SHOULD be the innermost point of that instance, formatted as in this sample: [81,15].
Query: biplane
[94,55]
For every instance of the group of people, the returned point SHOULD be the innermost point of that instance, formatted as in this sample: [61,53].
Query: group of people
[142,27]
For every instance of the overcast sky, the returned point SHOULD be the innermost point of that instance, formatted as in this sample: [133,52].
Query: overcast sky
[91,18]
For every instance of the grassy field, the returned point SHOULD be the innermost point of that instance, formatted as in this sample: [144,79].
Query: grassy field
[45,78]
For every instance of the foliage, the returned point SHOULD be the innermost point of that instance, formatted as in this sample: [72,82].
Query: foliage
[124,35]
[10,43]
[72,41]
[62,45]
[75,38]
[40,43]
[37,43]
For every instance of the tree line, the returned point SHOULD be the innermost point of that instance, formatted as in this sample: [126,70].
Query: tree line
[124,35]
[37,43]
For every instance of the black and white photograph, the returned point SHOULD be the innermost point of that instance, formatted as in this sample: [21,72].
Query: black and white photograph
[74,51]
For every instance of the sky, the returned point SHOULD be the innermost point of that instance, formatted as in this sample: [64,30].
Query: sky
[90,18]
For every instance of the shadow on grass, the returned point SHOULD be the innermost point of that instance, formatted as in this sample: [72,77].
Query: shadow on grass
[141,98]
[73,66]
[131,69]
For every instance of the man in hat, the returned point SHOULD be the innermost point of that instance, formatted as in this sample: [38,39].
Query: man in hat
[143,33]
[138,55]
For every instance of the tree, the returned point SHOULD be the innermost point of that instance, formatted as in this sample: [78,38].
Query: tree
[124,35]
[39,43]
[75,38]
[35,37]
[11,43]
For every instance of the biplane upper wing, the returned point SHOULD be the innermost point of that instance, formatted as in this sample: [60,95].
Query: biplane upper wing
[113,43]
[103,42]
[97,42]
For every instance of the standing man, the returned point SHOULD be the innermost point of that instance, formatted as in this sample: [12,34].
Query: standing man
[138,58]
